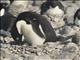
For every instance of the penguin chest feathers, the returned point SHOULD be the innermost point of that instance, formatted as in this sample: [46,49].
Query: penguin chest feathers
[28,33]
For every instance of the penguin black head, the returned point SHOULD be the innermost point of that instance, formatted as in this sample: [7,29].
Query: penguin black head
[50,3]
[77,14]
[77,18]
[3,6]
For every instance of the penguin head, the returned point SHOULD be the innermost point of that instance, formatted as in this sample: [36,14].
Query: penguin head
[4,3]
[77,18]
[55,14]
[3,7]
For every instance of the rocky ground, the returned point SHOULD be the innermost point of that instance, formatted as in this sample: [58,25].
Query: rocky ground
[59,50]
[48,51]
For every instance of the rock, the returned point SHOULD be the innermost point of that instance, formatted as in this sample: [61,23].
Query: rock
[76,38]
[20,58]
[20,6]
[8,39]
[71,9]
[36,3]
[33,8]
[69,51]
[29,57]
[5,33]
[6,59]
[5,53]
[67,31]
[17,7]
[45,57]
[76,28]
[14,58]
[53,49]
[5,45]
[77,57]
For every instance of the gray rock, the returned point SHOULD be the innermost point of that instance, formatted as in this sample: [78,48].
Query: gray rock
[52,49]
[5,33]
[77,57]
[5,53]
[67,31]
[45,57]
[69,51]
[8,39]
[17,7]
[37,3]
[77,35]
[14,58]
[71,9]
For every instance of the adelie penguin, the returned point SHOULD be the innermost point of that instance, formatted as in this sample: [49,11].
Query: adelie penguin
[3,9]
[51,3]
[27,24]
[6,19]
[77,18]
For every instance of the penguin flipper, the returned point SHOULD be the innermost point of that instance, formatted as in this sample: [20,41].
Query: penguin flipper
[35,26]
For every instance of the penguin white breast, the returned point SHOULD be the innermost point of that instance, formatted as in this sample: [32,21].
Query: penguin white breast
[29,34]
